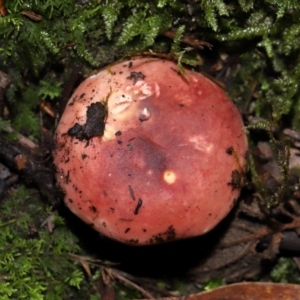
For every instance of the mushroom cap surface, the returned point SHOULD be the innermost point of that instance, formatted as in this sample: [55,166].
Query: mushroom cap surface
[146,155]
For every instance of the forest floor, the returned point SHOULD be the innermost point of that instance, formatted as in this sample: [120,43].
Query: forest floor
[246,245]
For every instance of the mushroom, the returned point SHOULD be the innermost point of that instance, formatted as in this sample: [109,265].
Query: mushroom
[146,155]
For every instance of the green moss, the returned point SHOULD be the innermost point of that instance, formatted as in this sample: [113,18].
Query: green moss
[36,263]
[95,33]
[213,283]
[285,271]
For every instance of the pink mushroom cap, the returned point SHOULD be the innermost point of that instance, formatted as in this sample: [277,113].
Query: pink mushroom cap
[146,155]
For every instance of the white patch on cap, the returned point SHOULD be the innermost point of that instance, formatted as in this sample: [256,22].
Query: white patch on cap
[169,176]
[194,78]
[141,90]
[94,75]
[200,143]
[123,108]
[109,132]
[145,89]
[144,114]
[205,230]
[156,89]
[119,103]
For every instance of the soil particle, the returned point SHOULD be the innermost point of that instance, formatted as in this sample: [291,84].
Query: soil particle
[95,123]
[139,204]
[166,236]
[134,76]
[236,179]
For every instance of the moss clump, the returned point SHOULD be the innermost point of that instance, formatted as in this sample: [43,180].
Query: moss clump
[285,271]
[37,263]
[39,36]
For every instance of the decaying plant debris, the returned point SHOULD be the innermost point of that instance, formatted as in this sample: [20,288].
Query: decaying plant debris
[251,48]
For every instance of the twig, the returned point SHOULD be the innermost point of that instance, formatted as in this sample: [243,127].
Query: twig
[24,141]
[26,163]
[189,40]
[261,233]
[117,275]
[236,258]
[3,11]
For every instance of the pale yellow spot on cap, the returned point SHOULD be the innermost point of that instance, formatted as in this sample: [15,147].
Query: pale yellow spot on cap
[109,132]
[169,176]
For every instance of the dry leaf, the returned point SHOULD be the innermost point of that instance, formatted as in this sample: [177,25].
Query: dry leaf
[248,291]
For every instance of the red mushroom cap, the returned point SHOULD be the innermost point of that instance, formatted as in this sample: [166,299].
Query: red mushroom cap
[146,155]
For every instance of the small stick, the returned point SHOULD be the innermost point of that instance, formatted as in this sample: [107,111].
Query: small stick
[189,40]
[117,275]
[3,11]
